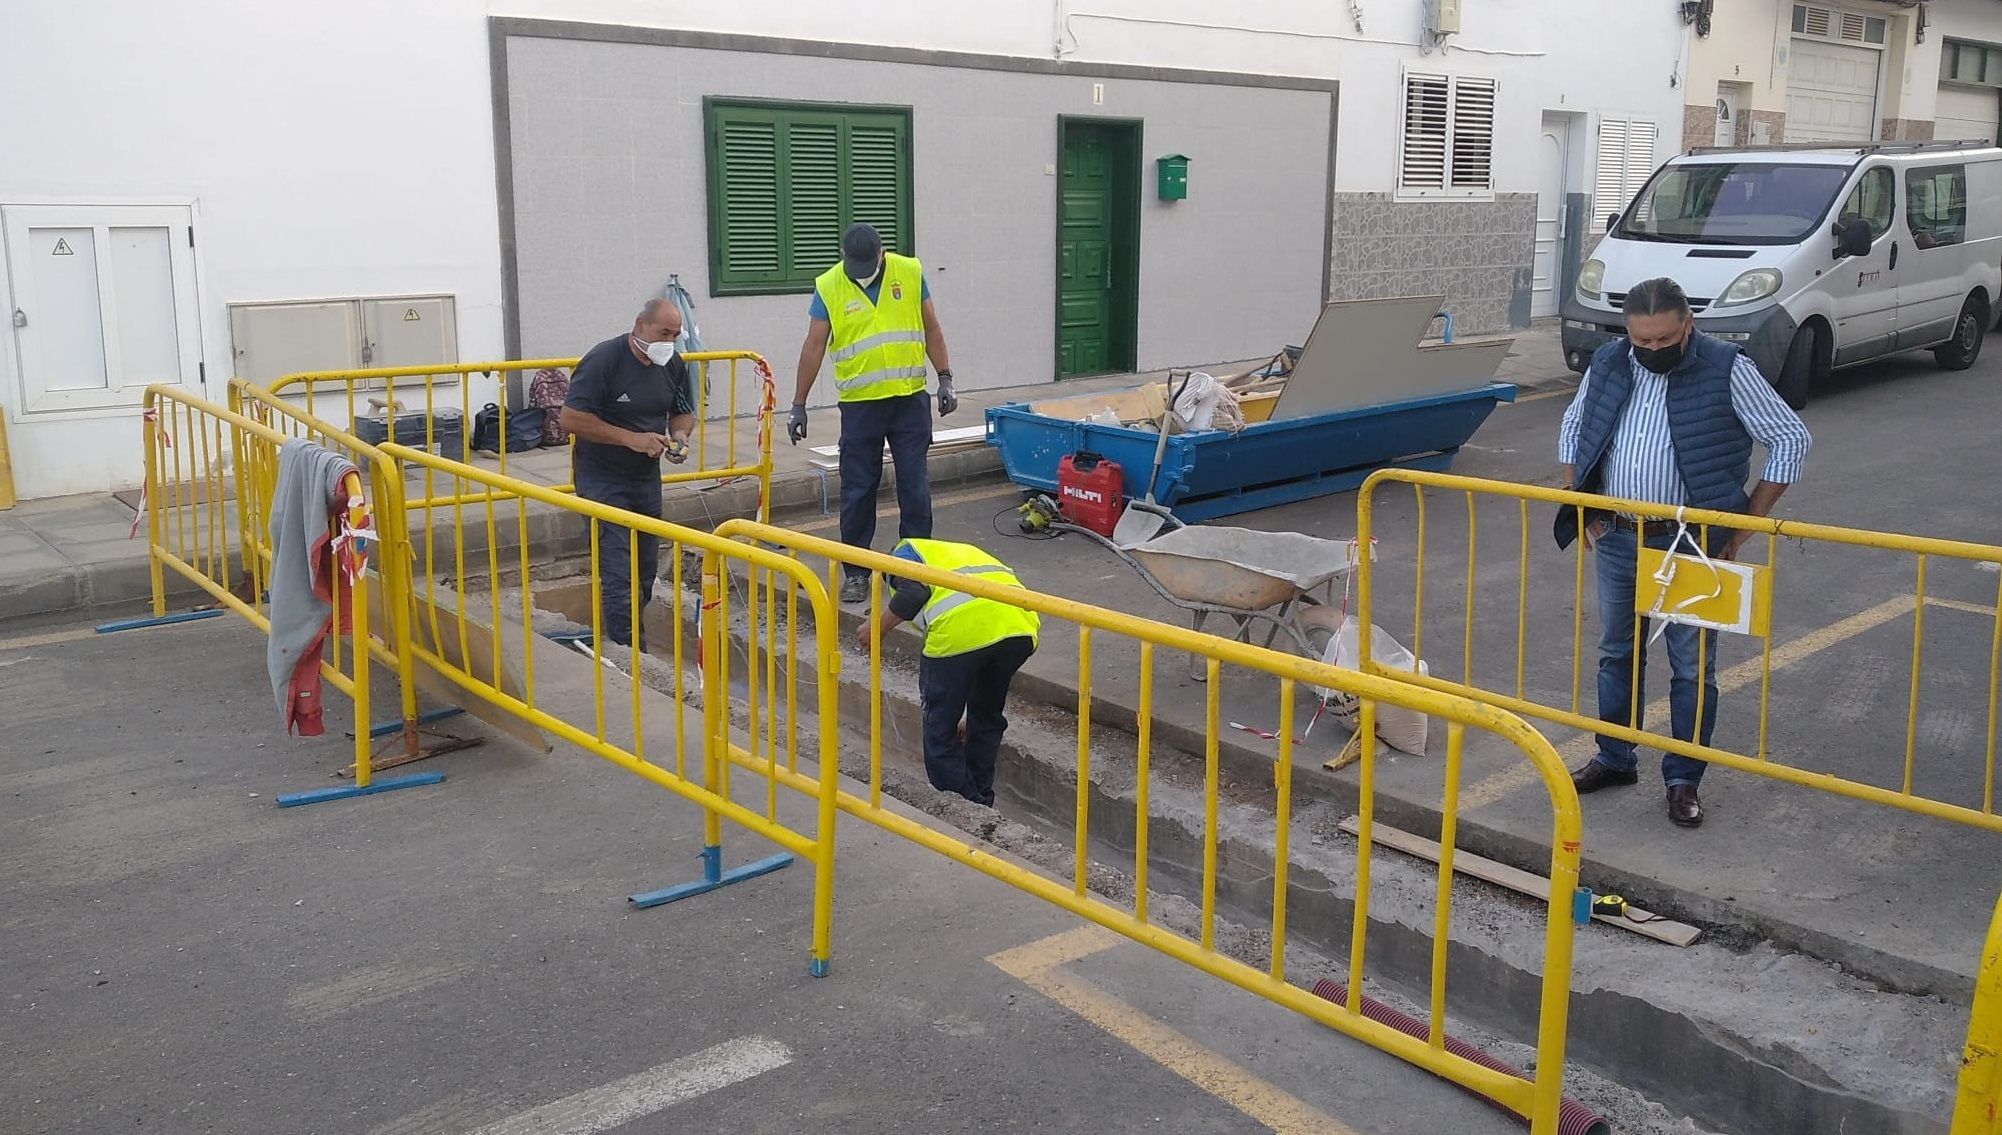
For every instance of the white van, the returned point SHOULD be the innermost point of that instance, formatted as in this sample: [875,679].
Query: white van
[1811,258]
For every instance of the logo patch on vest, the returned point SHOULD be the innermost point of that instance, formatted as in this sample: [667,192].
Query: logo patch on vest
[896,289]
[853,307]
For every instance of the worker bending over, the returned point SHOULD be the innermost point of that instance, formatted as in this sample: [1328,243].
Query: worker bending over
[973,647]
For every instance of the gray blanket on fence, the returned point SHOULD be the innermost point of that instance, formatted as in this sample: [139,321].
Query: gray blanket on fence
[309,488]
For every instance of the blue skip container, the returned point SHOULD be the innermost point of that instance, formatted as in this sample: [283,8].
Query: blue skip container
[1214,473]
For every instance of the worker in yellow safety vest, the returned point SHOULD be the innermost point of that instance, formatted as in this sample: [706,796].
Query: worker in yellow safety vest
[874,308]
[973,647]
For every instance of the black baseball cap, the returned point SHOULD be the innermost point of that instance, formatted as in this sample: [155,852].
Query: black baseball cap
[861,250]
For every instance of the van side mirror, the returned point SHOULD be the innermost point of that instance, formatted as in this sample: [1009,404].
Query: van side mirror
[1612,221]
[1854,239]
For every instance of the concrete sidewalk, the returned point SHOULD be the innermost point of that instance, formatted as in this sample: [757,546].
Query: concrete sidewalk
[72,553]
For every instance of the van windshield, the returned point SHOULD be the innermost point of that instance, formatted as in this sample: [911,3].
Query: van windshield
[1734,203]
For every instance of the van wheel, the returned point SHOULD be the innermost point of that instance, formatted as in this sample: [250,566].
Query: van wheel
[1797,373]
[1959,352]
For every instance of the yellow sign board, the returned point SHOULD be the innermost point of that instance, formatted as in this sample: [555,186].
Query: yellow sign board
[1717,594]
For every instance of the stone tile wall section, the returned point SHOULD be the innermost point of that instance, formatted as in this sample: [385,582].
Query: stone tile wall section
[1907,130]
[1477,253]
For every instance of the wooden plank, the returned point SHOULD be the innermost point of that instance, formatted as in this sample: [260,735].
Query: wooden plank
[1520,881]
[944,439]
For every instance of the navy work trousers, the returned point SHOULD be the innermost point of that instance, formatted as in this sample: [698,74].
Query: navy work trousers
[615,551]
[905,423]
[974,686]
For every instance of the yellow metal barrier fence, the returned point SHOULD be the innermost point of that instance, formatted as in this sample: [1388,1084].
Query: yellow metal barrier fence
[1977,1108]
[210,478]
[480,612]
[430,389]
[484,619]
[1751,594]
[393,599]
[1537,1099]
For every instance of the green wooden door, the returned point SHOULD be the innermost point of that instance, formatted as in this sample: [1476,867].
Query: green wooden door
[1085,252]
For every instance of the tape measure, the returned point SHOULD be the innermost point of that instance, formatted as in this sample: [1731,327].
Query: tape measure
[1609,906]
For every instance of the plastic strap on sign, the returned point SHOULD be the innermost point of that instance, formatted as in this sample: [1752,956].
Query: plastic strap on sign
[1665,575]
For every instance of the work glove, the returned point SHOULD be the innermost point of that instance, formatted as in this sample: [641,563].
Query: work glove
[796,423]
[948,398]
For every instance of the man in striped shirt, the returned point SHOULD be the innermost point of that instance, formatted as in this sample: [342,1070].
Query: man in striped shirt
[1668,416]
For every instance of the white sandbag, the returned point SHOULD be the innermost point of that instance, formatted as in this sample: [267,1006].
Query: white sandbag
[1400,728]
[1206,404]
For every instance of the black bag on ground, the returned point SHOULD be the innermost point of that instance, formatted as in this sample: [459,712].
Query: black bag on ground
[524,429]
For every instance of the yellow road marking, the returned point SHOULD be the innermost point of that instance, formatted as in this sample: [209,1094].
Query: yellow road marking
[1006,488]
[1039,964]
[1958,605]
[1565,392]
[50,639]
[1489,789]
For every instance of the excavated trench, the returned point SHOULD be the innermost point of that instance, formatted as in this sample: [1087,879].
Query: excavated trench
[1730,1034]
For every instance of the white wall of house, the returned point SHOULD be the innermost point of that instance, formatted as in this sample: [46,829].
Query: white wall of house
[1546,53]
[347,149]
[327,149]
[1963,109]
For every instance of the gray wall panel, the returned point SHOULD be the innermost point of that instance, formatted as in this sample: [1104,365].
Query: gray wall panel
[609,197]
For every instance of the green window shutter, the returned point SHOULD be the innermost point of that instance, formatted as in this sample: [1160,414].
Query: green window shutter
[746,207]
[786,180]
[878,177]
[813,178]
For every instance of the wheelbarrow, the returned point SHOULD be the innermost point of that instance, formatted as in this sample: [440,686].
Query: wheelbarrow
[1245,575]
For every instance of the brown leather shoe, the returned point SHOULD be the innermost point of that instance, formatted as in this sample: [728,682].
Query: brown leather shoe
[1594,775]
[1683,807]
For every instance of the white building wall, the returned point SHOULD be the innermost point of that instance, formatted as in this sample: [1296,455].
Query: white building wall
[346,149]
[329,150]
[1548,54]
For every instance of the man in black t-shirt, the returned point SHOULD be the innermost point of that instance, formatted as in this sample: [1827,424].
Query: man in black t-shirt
[630,403]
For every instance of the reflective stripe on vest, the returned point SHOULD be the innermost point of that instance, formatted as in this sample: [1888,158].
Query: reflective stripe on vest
[878,348]
[877,340]
[954,600]
[954,622]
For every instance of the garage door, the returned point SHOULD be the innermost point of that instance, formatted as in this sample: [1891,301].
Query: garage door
[1965,114]
[1831,92]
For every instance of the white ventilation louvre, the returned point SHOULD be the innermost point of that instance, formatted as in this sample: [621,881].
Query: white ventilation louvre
[1427,131]
[1448,142]
[1843,27]
[1474,134]
[1626,161]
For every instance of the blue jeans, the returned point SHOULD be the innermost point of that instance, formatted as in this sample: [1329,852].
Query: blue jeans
[1621,697]
[905,423]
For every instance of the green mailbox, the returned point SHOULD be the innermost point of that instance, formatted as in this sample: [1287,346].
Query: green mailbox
[1174,176]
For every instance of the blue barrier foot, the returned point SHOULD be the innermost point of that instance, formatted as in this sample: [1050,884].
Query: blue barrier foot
[343,792]
[713,878]
[817,967]
[157,621]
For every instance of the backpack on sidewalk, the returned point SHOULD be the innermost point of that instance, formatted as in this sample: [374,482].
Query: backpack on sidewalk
[548,391]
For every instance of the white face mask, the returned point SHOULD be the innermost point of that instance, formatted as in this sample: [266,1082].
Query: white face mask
[864,284]
[660,354]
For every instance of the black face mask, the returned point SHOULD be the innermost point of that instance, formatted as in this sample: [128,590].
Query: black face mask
[1661,360]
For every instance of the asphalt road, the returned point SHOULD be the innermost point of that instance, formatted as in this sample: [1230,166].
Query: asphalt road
[183,956]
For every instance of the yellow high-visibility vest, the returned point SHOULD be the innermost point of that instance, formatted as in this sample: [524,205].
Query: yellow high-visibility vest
[954,622]
[879,348]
